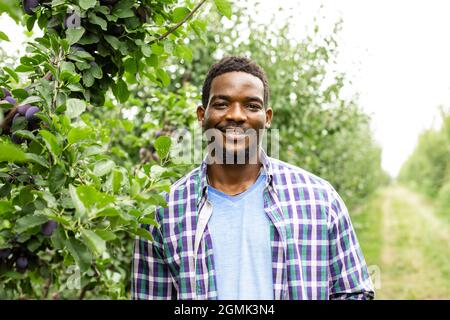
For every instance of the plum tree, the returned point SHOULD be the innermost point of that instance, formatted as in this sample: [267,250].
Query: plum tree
[70,192]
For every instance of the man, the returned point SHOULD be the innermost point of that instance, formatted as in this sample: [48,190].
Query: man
[258,228]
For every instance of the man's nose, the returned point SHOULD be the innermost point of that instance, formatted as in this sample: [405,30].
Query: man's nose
[236,113]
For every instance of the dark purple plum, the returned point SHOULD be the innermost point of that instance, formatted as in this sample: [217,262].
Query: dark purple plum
[29,6]
[29,115]
[23,109]
[16,139]
[11,100]
[4,253]
[22,262]
[6,93]
[48,227]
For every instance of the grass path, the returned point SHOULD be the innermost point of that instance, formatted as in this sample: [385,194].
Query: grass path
[400,233]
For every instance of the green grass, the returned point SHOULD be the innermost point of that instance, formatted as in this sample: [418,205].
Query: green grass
[400,233]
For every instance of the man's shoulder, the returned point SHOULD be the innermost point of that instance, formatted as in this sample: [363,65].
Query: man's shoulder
[297,176]
[188,181]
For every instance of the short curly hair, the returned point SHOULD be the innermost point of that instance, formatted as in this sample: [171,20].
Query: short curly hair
[234,64]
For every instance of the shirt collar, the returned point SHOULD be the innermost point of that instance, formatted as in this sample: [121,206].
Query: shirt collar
[266,167]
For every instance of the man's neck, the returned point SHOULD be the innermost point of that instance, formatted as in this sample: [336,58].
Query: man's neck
[233,179]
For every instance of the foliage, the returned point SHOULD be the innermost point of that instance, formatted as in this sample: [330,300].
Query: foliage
[428,168]
[73,187]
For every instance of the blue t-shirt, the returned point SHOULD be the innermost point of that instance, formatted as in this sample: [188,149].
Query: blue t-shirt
[240,232]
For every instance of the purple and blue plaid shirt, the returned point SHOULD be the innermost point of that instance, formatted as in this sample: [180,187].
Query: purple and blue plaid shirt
[315,252]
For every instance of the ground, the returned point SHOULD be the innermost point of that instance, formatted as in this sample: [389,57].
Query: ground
[406,245]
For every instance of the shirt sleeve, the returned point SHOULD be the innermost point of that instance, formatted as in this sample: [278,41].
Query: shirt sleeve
[349,277]
[151,278]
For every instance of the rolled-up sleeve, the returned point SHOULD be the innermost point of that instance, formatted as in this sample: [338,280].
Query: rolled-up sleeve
[349,277]
[151,278]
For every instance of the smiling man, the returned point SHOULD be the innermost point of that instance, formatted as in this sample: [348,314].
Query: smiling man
[244,225]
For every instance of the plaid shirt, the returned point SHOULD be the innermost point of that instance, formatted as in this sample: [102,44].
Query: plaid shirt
[315,252]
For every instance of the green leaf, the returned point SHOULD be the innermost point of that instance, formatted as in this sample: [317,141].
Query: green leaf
[25,134]
[91,197]
[148,220]
[73,35]
[11,153]
[56,178]
[103,167]
[75,107]
[224,7]
[20,93]
[67,70]
[130,65]
[51,142]
[113,41]
[3,36]
[37,159]
[120,90]
[80,253]
[88,78]
[144,233]
[108,212]
[124,13]
[157,49]
[179,14]
[31,100]
[12,73]
[116,180]
[22,68]
[106,235]
[28,222]
[162,146]
[79,206]
[79,134]
[98,21]
[93,241]
[87,4]
[163,77]
[96,71]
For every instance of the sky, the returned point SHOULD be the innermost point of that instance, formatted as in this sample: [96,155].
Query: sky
[396,53]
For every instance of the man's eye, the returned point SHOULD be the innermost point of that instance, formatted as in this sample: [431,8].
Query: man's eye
[220,105]
[254,106]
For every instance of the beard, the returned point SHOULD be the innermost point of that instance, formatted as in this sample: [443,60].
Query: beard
[232,148]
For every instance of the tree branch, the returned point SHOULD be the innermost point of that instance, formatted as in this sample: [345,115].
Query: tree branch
[175,27]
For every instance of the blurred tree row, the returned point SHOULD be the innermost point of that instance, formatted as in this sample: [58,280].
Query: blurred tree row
[428,168]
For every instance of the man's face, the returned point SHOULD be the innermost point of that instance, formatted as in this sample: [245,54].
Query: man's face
[235,114]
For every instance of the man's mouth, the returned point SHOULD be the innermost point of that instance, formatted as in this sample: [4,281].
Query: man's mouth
[233,132]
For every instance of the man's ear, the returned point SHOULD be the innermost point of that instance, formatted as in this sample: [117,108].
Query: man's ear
[269,115]
[200,114]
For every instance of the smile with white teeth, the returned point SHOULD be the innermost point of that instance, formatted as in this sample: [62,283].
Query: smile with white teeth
[234,133]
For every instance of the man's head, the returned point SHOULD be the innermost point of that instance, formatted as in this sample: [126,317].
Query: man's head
[234,64]
[235,110]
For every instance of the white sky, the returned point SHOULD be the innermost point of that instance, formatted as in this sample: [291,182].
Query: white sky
[397,54]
